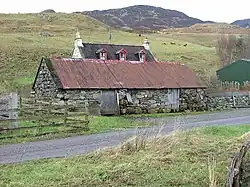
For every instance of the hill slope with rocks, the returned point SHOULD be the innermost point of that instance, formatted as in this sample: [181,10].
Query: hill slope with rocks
[211,28]
[242,23]
[143,17]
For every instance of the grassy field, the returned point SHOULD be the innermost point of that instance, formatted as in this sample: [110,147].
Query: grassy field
[181,159]
[21,46]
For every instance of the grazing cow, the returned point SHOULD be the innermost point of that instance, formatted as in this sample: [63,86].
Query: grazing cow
[172,43]
[185,45]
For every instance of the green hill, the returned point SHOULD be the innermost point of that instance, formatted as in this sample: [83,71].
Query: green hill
[22,45]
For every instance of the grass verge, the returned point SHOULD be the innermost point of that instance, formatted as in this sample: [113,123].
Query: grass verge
[97,124]
[160,115]
[195,158]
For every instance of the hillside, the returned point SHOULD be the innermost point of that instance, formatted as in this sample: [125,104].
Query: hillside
[143,17]
[211,28]
[245,23]
[25,38]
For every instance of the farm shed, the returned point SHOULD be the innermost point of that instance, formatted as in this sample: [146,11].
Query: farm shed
[237,71]
[120,87]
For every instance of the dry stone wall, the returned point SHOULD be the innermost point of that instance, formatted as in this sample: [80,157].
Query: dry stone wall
[144,101]
[162,101]
[193,99]
[227,100]
[88,98]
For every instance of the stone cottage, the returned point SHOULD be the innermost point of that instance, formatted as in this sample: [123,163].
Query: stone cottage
[119,79]
[85,50]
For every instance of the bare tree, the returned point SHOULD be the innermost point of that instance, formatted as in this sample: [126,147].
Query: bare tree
[246,51]
[225,48]
[242,47]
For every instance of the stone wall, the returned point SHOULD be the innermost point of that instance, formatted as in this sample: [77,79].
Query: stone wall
[227,100]
[193,99]
[87,98]
[45,85]
[161,101]
[144,101]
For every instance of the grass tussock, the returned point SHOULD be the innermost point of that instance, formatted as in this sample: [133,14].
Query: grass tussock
[195,158]
[211,169]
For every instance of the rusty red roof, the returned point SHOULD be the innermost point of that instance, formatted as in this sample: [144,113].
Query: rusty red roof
[94,73]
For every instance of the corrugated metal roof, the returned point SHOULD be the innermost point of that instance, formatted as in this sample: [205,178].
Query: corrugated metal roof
[93,73]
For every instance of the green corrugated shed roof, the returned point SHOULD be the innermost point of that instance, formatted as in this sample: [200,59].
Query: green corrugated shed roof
[237,71]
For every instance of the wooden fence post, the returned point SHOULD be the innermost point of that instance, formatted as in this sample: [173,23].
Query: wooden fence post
[248,98]
[13,107]
[233,100]
[50,106]
[20,104]
[65,113]
[86,110]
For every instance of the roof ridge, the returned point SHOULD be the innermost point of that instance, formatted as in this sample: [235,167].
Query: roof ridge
[123,61]
[175,63]
[131,45]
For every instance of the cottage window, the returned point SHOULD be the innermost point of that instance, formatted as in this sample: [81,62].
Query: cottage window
[122,56]
[102,55]
[142,56]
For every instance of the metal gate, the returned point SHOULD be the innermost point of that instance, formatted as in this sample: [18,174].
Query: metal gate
[109,102]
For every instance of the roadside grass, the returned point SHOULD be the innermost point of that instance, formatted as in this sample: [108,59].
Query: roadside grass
[180,159]
[97,124]
[22,47]
[171,114]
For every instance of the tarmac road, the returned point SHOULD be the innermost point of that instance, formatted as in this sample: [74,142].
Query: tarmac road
[67,147]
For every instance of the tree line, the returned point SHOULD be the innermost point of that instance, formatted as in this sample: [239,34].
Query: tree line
[232,47]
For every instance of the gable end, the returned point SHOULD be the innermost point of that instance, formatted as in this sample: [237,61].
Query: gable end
[44,83]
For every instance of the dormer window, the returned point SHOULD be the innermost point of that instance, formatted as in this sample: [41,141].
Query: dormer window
[142,55]
[122,54]
[102,54]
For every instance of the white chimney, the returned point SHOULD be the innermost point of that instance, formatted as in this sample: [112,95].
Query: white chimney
[78,40]
[78,43]
[146,44]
